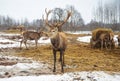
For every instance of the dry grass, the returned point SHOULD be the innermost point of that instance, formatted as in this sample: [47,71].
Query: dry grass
[13,31]
[78,57]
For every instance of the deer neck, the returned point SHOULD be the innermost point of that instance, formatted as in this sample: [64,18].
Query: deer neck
[54,35]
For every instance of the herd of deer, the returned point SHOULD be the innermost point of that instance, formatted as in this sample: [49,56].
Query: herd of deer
[57,37]
[105,39]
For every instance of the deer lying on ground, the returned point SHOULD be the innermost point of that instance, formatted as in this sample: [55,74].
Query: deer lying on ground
[58,39]
[31,35]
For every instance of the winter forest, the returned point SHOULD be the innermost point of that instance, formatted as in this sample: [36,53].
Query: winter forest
[103,15]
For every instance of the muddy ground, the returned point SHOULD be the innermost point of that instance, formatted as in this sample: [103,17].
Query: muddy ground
[78,57]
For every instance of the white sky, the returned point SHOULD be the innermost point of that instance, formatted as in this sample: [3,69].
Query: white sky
[33,9]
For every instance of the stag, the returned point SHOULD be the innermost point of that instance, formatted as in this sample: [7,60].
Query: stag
[58,38]
[31,35]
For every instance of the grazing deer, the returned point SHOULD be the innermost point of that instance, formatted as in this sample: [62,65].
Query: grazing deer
[31,35]
[58,39]
[106,39]
[93,42]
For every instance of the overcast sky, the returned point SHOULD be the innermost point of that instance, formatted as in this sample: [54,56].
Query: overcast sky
[33,9]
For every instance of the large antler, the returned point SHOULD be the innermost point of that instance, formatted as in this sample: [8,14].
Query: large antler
[46,21]
[65,20]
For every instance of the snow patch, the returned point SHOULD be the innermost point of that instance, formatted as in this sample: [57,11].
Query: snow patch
[7,43]
[79,32]
[87,39]
[75,76]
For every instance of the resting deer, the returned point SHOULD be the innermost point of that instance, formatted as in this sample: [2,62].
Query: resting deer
[31,35]
[58,39]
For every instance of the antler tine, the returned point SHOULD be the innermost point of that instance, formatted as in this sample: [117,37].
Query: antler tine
[44,24]
[69,13]
[46,21]
[43,17]
[65,20]
[48,11]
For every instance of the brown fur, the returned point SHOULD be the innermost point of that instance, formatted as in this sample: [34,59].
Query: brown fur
[31,35]
[106,39]
[59,43]
[102,37]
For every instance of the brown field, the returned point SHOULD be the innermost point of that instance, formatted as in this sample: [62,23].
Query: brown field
[78,56]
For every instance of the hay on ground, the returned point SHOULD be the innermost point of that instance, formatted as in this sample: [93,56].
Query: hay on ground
[96,35]
[97,32]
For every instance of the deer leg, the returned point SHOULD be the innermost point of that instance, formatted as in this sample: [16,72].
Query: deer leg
[36,42]
[54,53]
[25,41]
[61,58]
[106,45]
[101,44]
[21,43]
[111,42]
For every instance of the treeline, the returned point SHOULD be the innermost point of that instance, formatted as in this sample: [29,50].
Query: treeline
[58,15]
[106,15]
[7,22]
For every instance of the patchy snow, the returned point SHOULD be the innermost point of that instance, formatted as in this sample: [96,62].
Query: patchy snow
[22,69]
[8,34]
[28,70]
[44,40]
[87,39]
[79,32]
[84,39]
[7,43]
[15,66]
[75,76]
